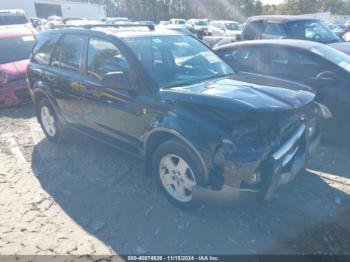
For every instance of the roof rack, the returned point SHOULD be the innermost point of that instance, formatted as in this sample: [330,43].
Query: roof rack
[88,26]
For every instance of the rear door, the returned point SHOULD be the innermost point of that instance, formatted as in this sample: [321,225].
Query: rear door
[65,75]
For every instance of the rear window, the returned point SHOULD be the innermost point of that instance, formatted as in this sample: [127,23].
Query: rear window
[11,19]
[16,48]
[44,47]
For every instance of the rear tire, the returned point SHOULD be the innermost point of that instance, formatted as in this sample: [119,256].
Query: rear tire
[54,130]
[177,170]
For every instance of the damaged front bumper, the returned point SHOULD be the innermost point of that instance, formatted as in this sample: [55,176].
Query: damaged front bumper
[262,177]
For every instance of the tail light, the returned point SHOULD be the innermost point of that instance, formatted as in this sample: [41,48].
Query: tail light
[3,78]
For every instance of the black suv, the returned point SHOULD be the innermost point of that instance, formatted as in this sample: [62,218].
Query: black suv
[292,27]
[170,100]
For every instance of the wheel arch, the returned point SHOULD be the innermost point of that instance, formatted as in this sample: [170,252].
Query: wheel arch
[38,95]
[162,134]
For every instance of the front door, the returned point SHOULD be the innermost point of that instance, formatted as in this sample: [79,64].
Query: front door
[113,112]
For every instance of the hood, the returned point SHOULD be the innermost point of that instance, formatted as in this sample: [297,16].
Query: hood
[15,70]
[238,96]
[342,46]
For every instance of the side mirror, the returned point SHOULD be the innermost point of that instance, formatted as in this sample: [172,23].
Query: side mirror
[116,80]
[327,77]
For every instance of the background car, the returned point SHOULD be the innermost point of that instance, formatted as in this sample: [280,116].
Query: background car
[224,28]
[319,66]
[16,45]
[80,21]
[292,27]
[178,22]
[117,20]
[198,27]
[53,20]
[13,17]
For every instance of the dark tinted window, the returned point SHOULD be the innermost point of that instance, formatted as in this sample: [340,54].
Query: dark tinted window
[253,30]
[11,19]
[293,64]
[71,49]
[104,57]
[281,63]
[274,30]
[243,59]
[15,49]
[44,47]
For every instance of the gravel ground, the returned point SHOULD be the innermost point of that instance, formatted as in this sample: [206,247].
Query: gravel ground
[83,197]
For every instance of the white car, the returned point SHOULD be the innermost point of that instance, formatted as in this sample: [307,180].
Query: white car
[224,28]
[177,22]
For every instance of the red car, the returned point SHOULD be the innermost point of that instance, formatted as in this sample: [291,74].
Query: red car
[16,43]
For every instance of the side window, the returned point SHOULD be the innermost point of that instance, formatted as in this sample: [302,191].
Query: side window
[274,30]
[104,57]
[243,59]
[282,57]
[283,63]
[71,51]
[306,66]
[43,48]
[56,56]
[253,30]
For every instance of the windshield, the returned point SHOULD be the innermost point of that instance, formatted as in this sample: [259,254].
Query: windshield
[201,23]
[313,30]
[177,60]
[232,26]
[15,49]
[13,19]
[337,57]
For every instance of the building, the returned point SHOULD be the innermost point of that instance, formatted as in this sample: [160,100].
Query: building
[64,8]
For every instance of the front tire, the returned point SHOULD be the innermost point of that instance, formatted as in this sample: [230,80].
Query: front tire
[51,125]
[177,171]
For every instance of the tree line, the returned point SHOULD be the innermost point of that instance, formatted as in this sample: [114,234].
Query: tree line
[296,7]
[239,10]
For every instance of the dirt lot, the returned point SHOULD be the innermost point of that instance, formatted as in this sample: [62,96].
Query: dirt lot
[86,198]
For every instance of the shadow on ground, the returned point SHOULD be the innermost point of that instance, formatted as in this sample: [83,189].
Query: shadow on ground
[21,112]
[107,193]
